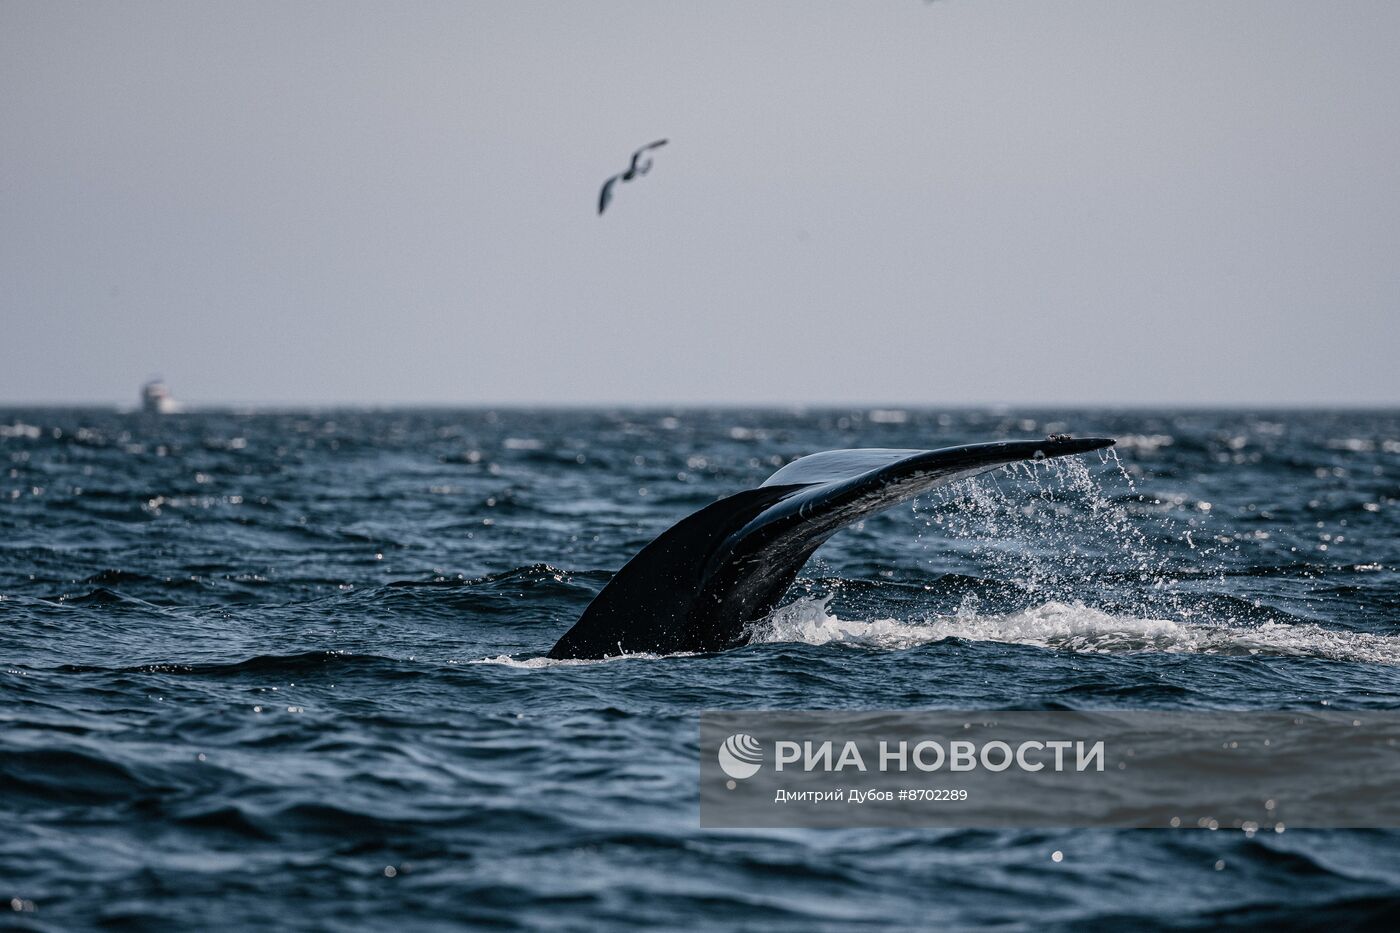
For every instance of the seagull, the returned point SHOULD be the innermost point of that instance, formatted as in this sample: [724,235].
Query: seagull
[638,167]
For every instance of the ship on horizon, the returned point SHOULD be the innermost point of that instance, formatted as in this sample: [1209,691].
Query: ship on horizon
[157,400]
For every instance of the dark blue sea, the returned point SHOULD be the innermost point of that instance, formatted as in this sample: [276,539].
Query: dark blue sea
[284,669]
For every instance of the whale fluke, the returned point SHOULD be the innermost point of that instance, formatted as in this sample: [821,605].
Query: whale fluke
[704,580]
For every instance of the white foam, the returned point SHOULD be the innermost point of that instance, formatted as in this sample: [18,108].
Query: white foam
[1077,627]
[20,429]
[506,660]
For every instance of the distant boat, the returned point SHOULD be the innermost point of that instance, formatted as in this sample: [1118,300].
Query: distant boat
[157,400]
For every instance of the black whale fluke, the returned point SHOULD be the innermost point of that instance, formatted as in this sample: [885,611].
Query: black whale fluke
[698,585]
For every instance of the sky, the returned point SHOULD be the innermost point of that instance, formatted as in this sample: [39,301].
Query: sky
[1026,202]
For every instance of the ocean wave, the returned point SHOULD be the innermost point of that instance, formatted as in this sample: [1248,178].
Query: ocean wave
[306,662]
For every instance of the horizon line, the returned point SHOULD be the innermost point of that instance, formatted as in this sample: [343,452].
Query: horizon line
[819,404]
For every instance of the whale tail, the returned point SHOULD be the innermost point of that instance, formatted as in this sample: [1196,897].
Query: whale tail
[701,582]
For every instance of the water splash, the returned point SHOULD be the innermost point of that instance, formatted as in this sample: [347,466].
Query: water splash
[1074,627]
[1054,531]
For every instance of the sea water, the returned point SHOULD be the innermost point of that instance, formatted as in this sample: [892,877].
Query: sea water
[286,668]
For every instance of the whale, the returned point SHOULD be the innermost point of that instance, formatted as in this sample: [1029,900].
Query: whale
[702,583]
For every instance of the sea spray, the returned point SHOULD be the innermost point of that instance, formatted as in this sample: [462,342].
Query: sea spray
[1055,530]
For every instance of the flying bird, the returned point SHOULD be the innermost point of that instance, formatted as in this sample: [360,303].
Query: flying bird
[638,167]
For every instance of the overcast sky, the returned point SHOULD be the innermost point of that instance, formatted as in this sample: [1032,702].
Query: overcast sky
[890,201]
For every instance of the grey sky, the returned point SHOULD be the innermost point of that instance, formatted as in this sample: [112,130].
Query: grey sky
[1045,201]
